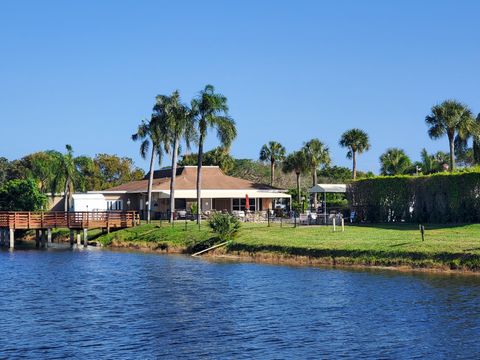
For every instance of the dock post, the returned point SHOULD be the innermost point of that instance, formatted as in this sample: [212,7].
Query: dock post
[37,238]
[72,238]
[12,239]
[79,238]
[2,237]
[43,238]
[85,237]
[49,236]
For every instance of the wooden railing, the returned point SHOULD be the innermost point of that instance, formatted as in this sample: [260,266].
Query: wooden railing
[71,220]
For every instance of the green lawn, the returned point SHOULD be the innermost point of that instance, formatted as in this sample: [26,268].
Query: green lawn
[447,246]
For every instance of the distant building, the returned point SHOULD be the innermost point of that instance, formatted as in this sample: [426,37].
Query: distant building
[219,192]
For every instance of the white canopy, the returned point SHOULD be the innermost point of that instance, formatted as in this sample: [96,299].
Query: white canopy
[328,188]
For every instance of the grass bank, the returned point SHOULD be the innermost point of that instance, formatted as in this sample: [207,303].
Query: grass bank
[445,247]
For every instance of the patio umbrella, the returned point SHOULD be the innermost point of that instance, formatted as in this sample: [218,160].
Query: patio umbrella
[247,202]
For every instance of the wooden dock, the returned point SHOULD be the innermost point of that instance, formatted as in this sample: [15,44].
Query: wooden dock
[44,221]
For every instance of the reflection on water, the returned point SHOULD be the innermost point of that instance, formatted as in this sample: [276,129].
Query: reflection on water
[86,303]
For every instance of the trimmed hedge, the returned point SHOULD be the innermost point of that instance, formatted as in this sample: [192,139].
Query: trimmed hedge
[437,198]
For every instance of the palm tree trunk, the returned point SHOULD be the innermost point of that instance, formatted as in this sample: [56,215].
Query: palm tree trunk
[150,185]
[272,173]
[199,179]
[298,189]
[172,179]
[65,195]
[354,164]
[315,201]
[452,152]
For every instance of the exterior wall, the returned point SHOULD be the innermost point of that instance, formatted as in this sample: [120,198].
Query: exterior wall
[56,203]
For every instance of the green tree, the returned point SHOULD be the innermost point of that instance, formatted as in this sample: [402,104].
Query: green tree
[394,161]
[177,125]
[225,226]
[335,174]
[216,157]
[272,152]
[210,110]
[453,119]
[296,162]
[21,195]
[152,140]
[66,175]
[316,154]
[356,141]
[4,169]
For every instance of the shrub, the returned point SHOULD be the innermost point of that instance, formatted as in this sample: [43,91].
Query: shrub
[225,226]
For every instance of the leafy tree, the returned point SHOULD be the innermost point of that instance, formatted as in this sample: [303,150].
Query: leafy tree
[453,119]
[335,174]
[217,157]
[4,169]
[394,161]
[296,162]
[272,152]
[21,195]
[316,154]
[210,110]
[356,141]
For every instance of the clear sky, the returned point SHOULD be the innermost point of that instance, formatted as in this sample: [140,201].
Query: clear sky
[87,72]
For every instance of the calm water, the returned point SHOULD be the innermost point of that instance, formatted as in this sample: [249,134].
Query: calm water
[103,304]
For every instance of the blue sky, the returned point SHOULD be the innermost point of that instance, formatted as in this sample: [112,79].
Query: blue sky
[86,72]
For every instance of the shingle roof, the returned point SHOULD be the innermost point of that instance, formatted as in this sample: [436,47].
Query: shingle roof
[213,178]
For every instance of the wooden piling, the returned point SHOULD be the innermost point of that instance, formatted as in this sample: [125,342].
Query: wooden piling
[43,238]
[72,237]
[85,237]
[79,238]
[49,237]
[12,238]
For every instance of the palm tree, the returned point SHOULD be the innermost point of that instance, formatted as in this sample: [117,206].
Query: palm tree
[66,175]
[453,119]
[296,162]
[177,124]
[356,141]
[150,135]
[273,152]
[316,154]
[210,110]
[394,161]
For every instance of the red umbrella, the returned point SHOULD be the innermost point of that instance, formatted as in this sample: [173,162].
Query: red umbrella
[247,202]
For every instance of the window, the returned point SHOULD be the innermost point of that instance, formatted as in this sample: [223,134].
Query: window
[115,205]
[239,204]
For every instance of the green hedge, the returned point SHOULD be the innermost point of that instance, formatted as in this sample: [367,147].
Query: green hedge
[437,198]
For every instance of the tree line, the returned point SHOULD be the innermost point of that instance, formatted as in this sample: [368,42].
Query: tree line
[52,172]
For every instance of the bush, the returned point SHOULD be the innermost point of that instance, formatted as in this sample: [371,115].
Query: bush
[225,226]
[437,198]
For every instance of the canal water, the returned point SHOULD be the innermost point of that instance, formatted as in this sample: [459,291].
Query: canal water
[125,305]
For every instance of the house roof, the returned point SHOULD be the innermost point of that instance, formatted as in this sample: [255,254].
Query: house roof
[213,178]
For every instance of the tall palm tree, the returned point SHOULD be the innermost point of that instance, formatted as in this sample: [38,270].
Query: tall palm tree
[394,161]
[177,125]
[356,141]
[150,135]
[296,162]
[451,118]
[273,152]
[210,110]
[316,153]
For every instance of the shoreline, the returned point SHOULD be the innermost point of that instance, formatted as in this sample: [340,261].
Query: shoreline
[272,258]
